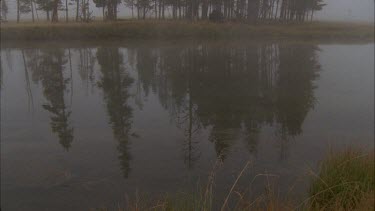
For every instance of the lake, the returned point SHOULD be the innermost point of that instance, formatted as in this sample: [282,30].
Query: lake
[88,125]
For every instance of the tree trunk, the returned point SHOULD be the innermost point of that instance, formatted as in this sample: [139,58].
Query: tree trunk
[83,10]
[77,12]
[252,10]
[88,11]
[132,9]
[103,12]
[277,8]
[109,10]
[196,10]
[66,11]
[55,16]
[160,1]
[18,11]
[179,10]
[225,9]
[115,10]
[156,10]
[32,10]
[283,10]
[71,77]
[36,13]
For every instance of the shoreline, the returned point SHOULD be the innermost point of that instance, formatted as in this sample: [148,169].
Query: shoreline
[182,30]
[130,43]
[344,181]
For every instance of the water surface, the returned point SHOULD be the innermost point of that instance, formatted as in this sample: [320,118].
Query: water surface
[84,126]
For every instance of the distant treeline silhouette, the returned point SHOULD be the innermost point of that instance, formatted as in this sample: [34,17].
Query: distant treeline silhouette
[249,11]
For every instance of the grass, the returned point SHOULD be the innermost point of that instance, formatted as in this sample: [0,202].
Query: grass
[168,29]
[344,182]
[203,199]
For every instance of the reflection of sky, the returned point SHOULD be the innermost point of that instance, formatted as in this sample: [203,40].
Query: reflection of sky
[349,77]
[336,10]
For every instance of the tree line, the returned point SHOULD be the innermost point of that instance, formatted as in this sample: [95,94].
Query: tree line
[250,11]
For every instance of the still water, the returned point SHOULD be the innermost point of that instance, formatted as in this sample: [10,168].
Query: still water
[89,125]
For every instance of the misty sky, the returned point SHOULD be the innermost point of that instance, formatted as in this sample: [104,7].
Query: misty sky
[336,10]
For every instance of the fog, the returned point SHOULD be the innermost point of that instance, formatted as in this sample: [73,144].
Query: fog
[347,10]
[335,10]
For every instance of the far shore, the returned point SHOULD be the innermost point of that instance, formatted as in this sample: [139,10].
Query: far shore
[171,29]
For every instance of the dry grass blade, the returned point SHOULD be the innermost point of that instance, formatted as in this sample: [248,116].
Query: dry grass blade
[234,184]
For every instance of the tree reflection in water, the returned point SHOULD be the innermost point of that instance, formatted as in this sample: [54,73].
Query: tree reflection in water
[231,91]
[115,83]
[47,66]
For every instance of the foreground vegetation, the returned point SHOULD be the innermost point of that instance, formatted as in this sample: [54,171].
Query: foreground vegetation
[182,29]
[345,182]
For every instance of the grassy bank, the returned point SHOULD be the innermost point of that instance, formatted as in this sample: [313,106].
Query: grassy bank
[345,181]
[186,30]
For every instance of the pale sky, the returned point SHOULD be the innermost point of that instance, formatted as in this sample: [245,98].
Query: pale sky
[348,10]
[335,10]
